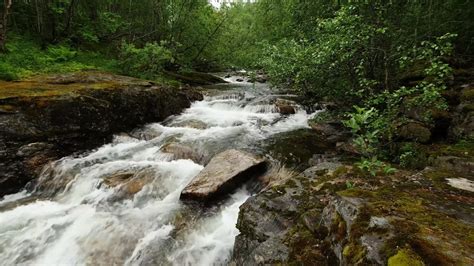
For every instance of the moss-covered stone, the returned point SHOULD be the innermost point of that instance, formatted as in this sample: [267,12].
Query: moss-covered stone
[414,131]
[297,147]
[405,257]
[467,94]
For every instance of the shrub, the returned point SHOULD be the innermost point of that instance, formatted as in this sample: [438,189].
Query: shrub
[147,62]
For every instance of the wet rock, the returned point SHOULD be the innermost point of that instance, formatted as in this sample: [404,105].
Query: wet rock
[414,131]
[286,110]
[117,179]
[70,113]
[181,151]
[285,107]
[295,148]
[224,173]
[128,183]
[197,124]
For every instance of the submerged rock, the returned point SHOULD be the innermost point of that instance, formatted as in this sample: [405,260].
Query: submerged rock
[225,172]
[180,151]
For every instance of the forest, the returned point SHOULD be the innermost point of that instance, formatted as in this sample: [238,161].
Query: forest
[356,53]
[383,88]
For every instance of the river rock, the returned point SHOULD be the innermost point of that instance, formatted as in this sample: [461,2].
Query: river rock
[129,183]
[181,151]
[225,172]
[285,107]
[193,123]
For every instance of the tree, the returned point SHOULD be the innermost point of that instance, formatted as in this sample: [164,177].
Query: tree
[3,24]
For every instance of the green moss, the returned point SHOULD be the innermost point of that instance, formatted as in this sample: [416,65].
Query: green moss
[405,257]
[356,193]
[74,83]
[464,148]
[468,94]
[354,254]
[468,108]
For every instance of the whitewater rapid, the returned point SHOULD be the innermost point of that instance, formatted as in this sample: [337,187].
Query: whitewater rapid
[79,213]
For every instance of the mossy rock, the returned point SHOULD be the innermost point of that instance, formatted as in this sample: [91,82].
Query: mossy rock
[414,131]
[467,94]
[295,148]
[405,257]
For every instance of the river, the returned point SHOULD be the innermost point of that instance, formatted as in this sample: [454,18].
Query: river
[119,204]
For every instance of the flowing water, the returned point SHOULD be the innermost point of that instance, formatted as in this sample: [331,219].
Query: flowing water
[120,204]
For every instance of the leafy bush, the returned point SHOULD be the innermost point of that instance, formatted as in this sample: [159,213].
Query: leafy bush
[7,72]
[333,64]
[61,53]
[374,166]
[364,127]
[147,62]
[411,156]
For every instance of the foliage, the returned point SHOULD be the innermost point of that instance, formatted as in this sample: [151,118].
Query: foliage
[26,58]
[326,66]
[363,124]
[147,62]
[374,166]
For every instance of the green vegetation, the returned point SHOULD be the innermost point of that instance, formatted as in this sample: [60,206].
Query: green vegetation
[138,38]
[26,58]
[405,257]
[393,60]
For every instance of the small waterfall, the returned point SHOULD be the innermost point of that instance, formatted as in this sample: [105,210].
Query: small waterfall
[119,204]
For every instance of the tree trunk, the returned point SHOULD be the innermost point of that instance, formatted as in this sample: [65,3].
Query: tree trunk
[3,24]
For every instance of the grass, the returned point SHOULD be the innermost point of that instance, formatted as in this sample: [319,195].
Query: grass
[26,58]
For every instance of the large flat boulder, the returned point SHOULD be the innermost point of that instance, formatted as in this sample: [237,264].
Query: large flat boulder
[225,172]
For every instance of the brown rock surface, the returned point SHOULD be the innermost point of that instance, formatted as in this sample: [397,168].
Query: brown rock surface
[224,173]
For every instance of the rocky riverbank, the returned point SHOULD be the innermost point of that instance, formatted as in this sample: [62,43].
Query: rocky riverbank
[332,213]
[335,214]
[46,118]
